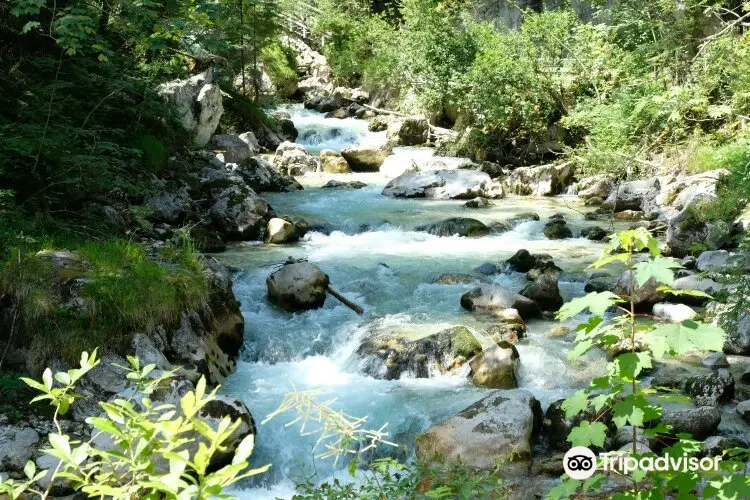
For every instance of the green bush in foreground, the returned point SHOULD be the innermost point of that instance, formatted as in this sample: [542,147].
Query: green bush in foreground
[160,450]
[619,395]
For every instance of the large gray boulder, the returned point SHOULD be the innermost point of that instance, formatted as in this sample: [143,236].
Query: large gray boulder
[686,232]
[297,287]
[711,389]
[261,176]
[545,292]
[442,185]
[461,226]
[496,367]
[17,445]
[395,354]
[365,158]
[489,298]
[240,214]
[197,103]
[700,422]
[500,427]
[694,190]
[634,195]
[333,163]
[293,159]
[231,148]
[171,206]
[546,180]
[736,325]
[597,186]
[281,231]
[411,131]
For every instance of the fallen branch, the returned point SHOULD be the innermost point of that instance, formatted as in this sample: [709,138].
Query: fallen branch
[348,303]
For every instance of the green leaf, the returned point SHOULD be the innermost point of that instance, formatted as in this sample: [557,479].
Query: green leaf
[596,302]
[659,268]
[60,442]
[588,433]
[244,449]
[29,469]
[580,349]
[575,404]
[679,338]
[47,378]
[631,364]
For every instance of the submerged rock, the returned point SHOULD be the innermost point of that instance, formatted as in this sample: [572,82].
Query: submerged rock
[453,279]
[393,355]
[478,202]
[461,226]
[297,287]
[496,367]
[594,233]
[488,298]
[334,184]
[502,426]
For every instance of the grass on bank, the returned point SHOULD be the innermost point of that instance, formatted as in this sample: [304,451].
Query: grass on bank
[122,290]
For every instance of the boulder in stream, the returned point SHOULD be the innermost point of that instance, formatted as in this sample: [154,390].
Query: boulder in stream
[501,426]
[701,422]
[408,131]
[297,287]
[496,367]
[395,354]
[240,214]
[461,226]
[557,229]
[333,163]
[495,298]
[442,185]
[281,231]
[545,180]
[365,158]
[634,195]
[545,292]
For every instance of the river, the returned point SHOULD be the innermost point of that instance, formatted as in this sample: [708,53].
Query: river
[376,259]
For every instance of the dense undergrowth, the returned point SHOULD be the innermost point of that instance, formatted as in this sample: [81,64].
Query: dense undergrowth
[633,87]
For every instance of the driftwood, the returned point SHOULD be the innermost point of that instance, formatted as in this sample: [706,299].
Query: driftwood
[348,303]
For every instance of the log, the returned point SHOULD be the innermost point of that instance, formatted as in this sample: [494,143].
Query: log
[348,303]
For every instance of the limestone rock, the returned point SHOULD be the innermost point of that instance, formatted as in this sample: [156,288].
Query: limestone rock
[232,148]
[700,422]
[411,131]
[394,355]
[365,158]
[488,298]
[333,163]
[546,180]
[502,426]
[441,185]
[197,103]
[496,367]
[281,231]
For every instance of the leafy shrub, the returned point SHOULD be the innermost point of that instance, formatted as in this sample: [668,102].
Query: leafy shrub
[619,393]
[153,455]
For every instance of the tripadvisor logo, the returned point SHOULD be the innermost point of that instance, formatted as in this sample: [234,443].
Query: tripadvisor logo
[580,463]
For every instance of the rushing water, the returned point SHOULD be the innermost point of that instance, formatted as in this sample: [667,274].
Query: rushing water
[376,259]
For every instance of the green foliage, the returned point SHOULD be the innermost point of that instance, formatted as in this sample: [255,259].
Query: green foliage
[122,291]
[619,392]
[388,478]
[161,450]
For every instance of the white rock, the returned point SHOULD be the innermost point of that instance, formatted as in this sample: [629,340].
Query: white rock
[675,313]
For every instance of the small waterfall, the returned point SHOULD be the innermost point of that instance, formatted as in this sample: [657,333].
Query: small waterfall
[316,132]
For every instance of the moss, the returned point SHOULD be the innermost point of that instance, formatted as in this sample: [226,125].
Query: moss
[465,343]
